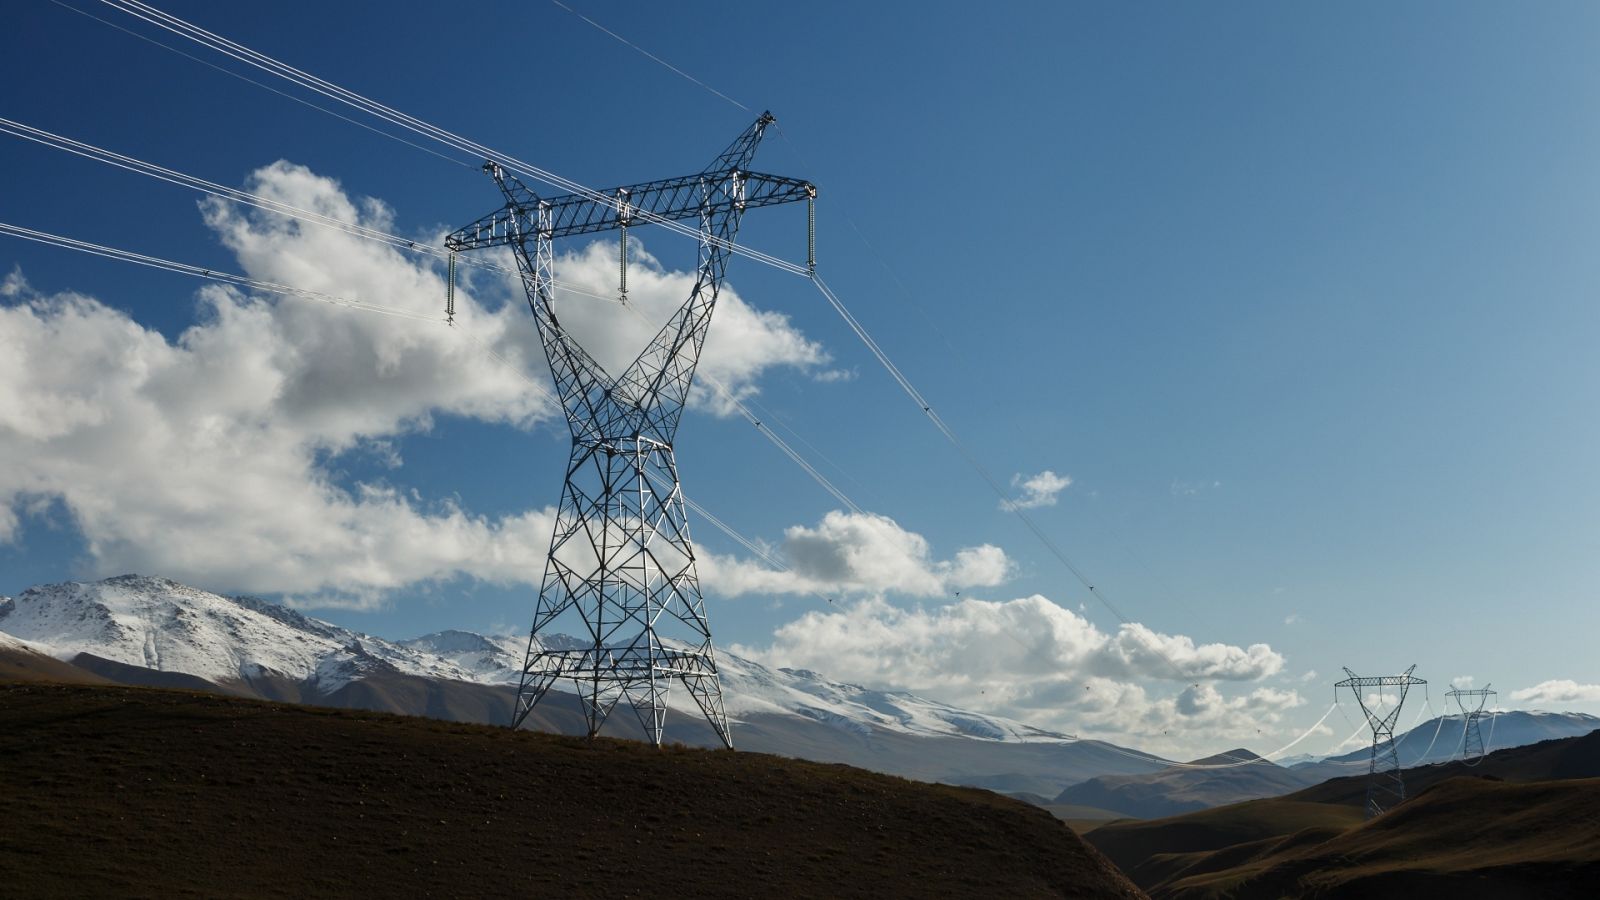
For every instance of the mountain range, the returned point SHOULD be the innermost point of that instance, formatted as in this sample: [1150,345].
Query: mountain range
[1242,775]
[151,631]
[143,630]
[1518,822]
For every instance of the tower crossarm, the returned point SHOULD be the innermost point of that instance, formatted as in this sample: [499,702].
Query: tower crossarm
[1381,721]
[645,203]
[1385,783]
[1463,698]
[1380,681]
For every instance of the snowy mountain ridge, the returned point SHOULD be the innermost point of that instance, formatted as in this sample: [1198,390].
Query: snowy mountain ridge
[160,624]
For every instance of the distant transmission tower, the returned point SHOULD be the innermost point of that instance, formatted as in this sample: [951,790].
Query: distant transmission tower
[1471,703]
[1385,785]
[620,556]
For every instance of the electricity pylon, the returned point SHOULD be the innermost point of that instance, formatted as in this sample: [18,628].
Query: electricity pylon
[1472,748]
[620,555]
[1385,785]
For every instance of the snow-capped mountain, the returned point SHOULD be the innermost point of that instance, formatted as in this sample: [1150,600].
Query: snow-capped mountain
[1440,739]
[161,625]
[750,688]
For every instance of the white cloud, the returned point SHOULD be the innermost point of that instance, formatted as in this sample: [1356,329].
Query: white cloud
[857,553]
[1558,691]
[1041,663]
[1037,490]
[1292,619]
[1463,682]
[209,458]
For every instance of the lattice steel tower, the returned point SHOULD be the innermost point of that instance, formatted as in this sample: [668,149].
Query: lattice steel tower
[620,556]
[1471,737]
[1385,785]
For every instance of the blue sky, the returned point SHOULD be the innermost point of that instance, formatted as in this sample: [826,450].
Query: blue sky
[1300,299]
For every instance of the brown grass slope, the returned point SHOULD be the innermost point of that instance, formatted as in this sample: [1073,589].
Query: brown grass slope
[1154,851]
[22,664]
[137,792]
[1228,851]
[1464,837]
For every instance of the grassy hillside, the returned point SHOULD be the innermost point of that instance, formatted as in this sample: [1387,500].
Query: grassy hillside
[1514,825]
[1153,851]
[1464,837]
[116,791]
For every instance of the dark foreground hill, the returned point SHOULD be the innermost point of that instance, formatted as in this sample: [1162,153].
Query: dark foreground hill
[115,791]
[1524,822]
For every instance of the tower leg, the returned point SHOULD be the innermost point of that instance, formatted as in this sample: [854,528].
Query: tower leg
[621,567]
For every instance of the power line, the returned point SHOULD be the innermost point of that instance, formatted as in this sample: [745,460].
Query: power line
[211,188]
[973,461]
[652,56]
[168,265]
[328,89]
[229,72]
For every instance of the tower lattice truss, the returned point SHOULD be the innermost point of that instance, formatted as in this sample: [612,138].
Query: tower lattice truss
[621,557]
[1471,703]
[1386,786]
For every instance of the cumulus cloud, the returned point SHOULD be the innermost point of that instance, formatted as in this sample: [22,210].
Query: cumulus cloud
[1036,490]
[858,553]
[1041,663]
[209,457]
[1558,691]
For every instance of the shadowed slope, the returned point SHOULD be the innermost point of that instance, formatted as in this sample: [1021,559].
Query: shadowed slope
[18,662]
[115,791]
[1458,833]
[1464,837]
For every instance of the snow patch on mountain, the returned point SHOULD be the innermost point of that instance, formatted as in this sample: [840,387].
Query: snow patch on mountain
[486,660]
